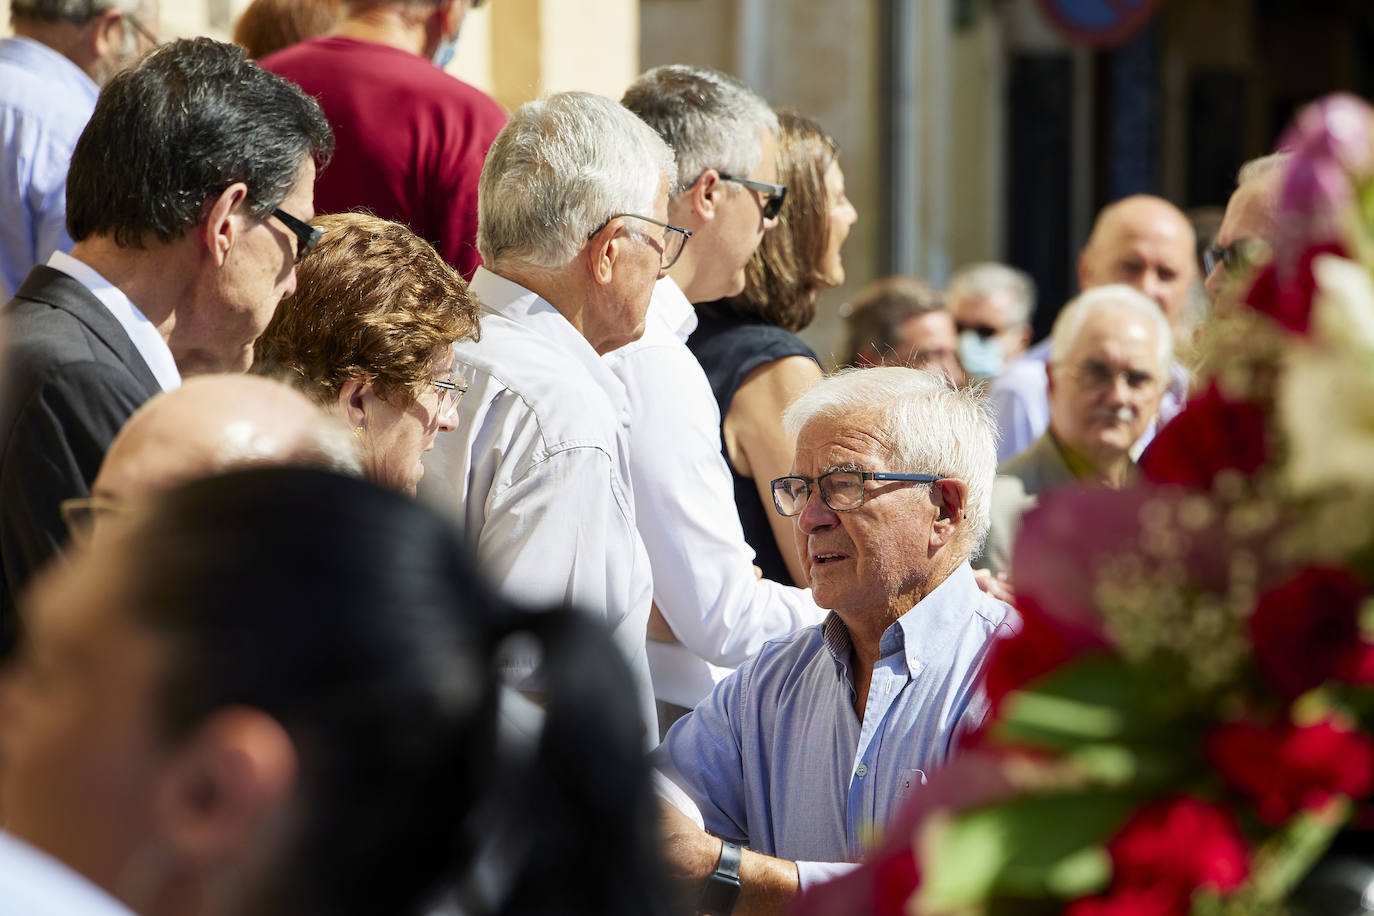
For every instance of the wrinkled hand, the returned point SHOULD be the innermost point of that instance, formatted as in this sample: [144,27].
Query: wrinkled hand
[689,854]
[998,586]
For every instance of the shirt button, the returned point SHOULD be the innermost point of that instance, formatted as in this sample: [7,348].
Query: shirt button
[861,770]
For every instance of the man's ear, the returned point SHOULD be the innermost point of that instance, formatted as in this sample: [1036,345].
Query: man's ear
[950,496]
[352,399]
[703,197]
[1049,379]
[227,787]
[603,250]
[222,222]
[105,33]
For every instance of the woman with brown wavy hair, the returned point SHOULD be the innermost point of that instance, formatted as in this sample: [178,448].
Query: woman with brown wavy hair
[748,345]
[369,333]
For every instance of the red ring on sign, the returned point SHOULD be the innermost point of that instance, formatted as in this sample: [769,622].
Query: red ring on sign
[1129,18]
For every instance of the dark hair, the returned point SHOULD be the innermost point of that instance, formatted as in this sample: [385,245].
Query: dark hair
[373,301]
[877,313]
[350,615]
[269,25]
[172,133]
[784,275]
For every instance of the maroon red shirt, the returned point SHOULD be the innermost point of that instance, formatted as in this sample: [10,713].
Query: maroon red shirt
[410,139]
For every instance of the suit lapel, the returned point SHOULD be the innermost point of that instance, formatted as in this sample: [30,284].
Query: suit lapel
[54,288]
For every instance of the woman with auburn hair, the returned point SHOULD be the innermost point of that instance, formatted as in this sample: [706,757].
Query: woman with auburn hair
[278,692]
[369,334]
[748,346]
[269,25]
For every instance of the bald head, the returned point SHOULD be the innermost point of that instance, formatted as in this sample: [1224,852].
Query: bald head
[1250,225]
[1145,242]
[216,423]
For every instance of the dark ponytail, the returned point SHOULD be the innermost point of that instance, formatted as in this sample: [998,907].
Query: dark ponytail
[351,615]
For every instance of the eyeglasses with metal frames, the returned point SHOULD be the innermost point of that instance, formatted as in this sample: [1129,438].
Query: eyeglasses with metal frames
[773,194]
[1237,256]
[143,30]
[451,391]
[80,514]
[307,236]
[842,491]
[674,238]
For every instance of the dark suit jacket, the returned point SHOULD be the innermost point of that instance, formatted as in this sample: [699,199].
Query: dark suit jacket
[73,377]
[1020,481]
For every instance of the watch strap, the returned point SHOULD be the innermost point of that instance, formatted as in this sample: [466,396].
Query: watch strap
[722,887]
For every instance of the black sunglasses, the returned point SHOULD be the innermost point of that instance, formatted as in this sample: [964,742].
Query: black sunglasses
[307,236]
[774,194]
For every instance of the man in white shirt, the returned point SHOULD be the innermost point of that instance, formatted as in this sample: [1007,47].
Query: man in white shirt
[712,610]
[571,224]
[188,197]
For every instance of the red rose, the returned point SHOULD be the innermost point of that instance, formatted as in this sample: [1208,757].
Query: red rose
[1177,846]
[1211,435]
[1037,649]
[1283,291]
[1303,631]
[1127,901]
[1284,769]
[895,878]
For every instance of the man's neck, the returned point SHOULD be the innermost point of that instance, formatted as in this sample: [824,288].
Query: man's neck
[152,277]
[1109,470]
[66,38]
[385,25]
[563,289]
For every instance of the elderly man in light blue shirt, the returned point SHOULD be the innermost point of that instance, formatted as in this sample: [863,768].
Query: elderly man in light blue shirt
[51,71]
[811,745]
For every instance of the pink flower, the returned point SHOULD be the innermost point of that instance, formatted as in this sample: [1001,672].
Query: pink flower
[1337,128]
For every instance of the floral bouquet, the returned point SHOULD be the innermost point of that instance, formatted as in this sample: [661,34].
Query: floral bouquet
[1185,722]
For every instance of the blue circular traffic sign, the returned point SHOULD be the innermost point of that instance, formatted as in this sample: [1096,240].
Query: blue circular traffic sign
[1098,22]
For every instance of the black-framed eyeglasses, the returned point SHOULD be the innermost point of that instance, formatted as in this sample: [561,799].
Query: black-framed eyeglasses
[1237,256]
[451,391]
[674,238]
[773,194]
[307,236]
[842,491]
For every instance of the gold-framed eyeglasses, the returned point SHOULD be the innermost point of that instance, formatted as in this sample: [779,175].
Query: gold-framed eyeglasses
[451,391]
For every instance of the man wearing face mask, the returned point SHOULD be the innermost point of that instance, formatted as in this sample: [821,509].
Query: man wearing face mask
[411,139]
[992,306]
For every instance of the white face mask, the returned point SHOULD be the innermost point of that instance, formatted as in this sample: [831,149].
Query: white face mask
[444,54]
[981,356]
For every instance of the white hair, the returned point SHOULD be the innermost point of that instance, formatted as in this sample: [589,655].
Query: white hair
[558,171]
[929,426]
[1263,167]
[712,121]
[1073,316]
[987,278]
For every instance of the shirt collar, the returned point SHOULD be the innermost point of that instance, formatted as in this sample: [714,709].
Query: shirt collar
[36,56]
[669,307]
[41,885]
[926,633]
[146,338]
[525,307]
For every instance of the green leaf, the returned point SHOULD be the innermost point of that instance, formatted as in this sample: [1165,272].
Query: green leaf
[1038,846]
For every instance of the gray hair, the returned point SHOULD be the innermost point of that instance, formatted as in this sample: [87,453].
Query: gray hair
[78,11]
[560,168]
[1073,316]
[1262,167]
[929,425]
[987,278]
[712,121]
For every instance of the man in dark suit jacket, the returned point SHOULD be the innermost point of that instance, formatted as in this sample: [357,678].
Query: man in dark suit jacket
[188,199]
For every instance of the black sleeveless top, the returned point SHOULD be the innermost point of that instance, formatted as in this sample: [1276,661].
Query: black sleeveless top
[729,349]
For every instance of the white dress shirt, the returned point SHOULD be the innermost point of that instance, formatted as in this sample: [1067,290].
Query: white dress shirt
[33,883]
[536,470]
[146,338]
[704,582]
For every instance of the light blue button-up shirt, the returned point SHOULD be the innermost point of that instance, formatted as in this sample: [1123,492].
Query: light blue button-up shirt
[776,758]
[45,102]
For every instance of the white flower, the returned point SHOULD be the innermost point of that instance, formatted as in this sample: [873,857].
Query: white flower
[1343,305]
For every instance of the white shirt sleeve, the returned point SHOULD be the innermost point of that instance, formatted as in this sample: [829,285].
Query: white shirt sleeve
[704,580]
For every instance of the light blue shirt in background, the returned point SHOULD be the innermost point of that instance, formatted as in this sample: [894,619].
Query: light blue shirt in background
[45,102]
[777,760]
